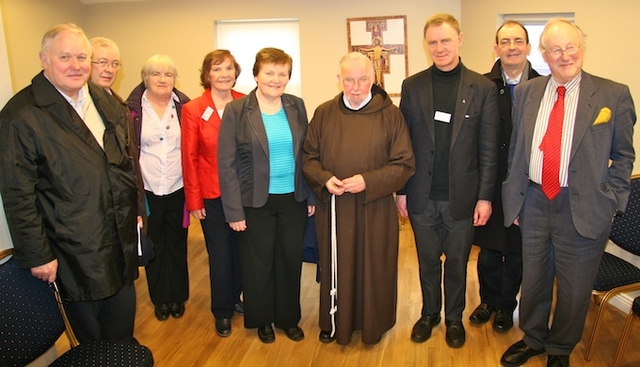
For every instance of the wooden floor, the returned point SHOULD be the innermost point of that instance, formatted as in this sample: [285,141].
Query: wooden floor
[192,341]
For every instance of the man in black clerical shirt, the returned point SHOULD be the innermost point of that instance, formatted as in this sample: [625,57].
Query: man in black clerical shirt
[452,116]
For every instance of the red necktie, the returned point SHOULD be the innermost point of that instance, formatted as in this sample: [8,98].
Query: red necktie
[550,146]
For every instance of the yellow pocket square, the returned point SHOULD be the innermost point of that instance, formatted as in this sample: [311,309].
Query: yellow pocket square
[603,116]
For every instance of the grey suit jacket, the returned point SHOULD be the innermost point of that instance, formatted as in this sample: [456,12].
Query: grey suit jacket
[243,154]
[597,187]
[473,157]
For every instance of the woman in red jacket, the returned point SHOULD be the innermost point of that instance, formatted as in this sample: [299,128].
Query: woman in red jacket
[200,126]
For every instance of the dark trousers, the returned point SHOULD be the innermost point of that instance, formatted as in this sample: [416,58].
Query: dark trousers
[500,276]
[224,262]
[436,232]
[167,274]
[271,261]
[552,248]
[111,318]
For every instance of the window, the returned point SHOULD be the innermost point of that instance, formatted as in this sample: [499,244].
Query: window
[534,23]
[244,38]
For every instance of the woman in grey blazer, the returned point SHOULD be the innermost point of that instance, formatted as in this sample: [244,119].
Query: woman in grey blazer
[264,195]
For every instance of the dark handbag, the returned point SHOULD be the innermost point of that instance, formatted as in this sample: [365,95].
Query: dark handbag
[145,248]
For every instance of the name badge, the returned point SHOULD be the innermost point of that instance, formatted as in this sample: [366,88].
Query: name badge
[442,117]
[207,113]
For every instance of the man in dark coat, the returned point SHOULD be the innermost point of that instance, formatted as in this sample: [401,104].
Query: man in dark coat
[452,116]
[69,188]
[500,260]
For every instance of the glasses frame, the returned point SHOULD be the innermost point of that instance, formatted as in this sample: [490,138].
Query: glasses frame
[557,52]
[115,64]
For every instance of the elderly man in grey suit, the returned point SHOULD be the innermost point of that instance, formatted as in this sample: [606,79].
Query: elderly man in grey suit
[452,114]
[570,165]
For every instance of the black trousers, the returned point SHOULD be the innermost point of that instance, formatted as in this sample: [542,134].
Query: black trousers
[224,261]
[167,274]
[437,233]
[499,276]
[271,261]
[111,318]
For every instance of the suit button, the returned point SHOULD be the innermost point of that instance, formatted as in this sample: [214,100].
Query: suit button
[429,173]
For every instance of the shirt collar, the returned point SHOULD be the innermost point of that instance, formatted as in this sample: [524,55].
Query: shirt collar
[174,97]
[82,94]
[571,86]
[364,103]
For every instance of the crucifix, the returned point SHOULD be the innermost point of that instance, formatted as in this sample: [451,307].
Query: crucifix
[378,51]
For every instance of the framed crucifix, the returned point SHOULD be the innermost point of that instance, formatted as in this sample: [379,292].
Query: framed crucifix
[384,41]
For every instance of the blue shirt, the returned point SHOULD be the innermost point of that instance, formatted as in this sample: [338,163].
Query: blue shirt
[281,162]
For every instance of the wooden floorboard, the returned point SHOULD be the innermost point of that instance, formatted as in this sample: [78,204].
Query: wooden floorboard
[192,341]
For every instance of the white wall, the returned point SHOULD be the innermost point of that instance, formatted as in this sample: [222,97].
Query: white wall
[5,88]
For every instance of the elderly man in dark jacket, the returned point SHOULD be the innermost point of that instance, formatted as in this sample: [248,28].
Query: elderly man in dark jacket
[69,188]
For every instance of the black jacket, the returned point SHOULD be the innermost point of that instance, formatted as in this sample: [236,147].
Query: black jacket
[243,154]
[494,235]
[65,197]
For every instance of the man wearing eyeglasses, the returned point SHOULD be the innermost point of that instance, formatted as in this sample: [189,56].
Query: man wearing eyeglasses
[356,154]
[452,115]
[570,166]
[500,259]
[105,63]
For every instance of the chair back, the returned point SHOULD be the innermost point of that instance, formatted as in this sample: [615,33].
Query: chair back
[625,231]
[30,322]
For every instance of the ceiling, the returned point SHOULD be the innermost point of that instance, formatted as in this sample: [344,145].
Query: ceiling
[85,2]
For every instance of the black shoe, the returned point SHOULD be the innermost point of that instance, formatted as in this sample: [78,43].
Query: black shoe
[503,321]
[177,310]
[294,333]
[481,314]
[455,334]
[223,326]
[162,312]
[422,329]
[325,337]
[266,334]
[239,308]
[518,354]
[558,361]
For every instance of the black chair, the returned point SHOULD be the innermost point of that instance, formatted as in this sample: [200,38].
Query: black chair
[633,315]
[31,322]
[616,275]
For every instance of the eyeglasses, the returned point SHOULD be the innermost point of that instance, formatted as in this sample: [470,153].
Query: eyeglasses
[104,63]
[557,52]
[351,82]
[506,42]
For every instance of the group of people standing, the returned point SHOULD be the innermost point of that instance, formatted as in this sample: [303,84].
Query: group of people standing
[252,168]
